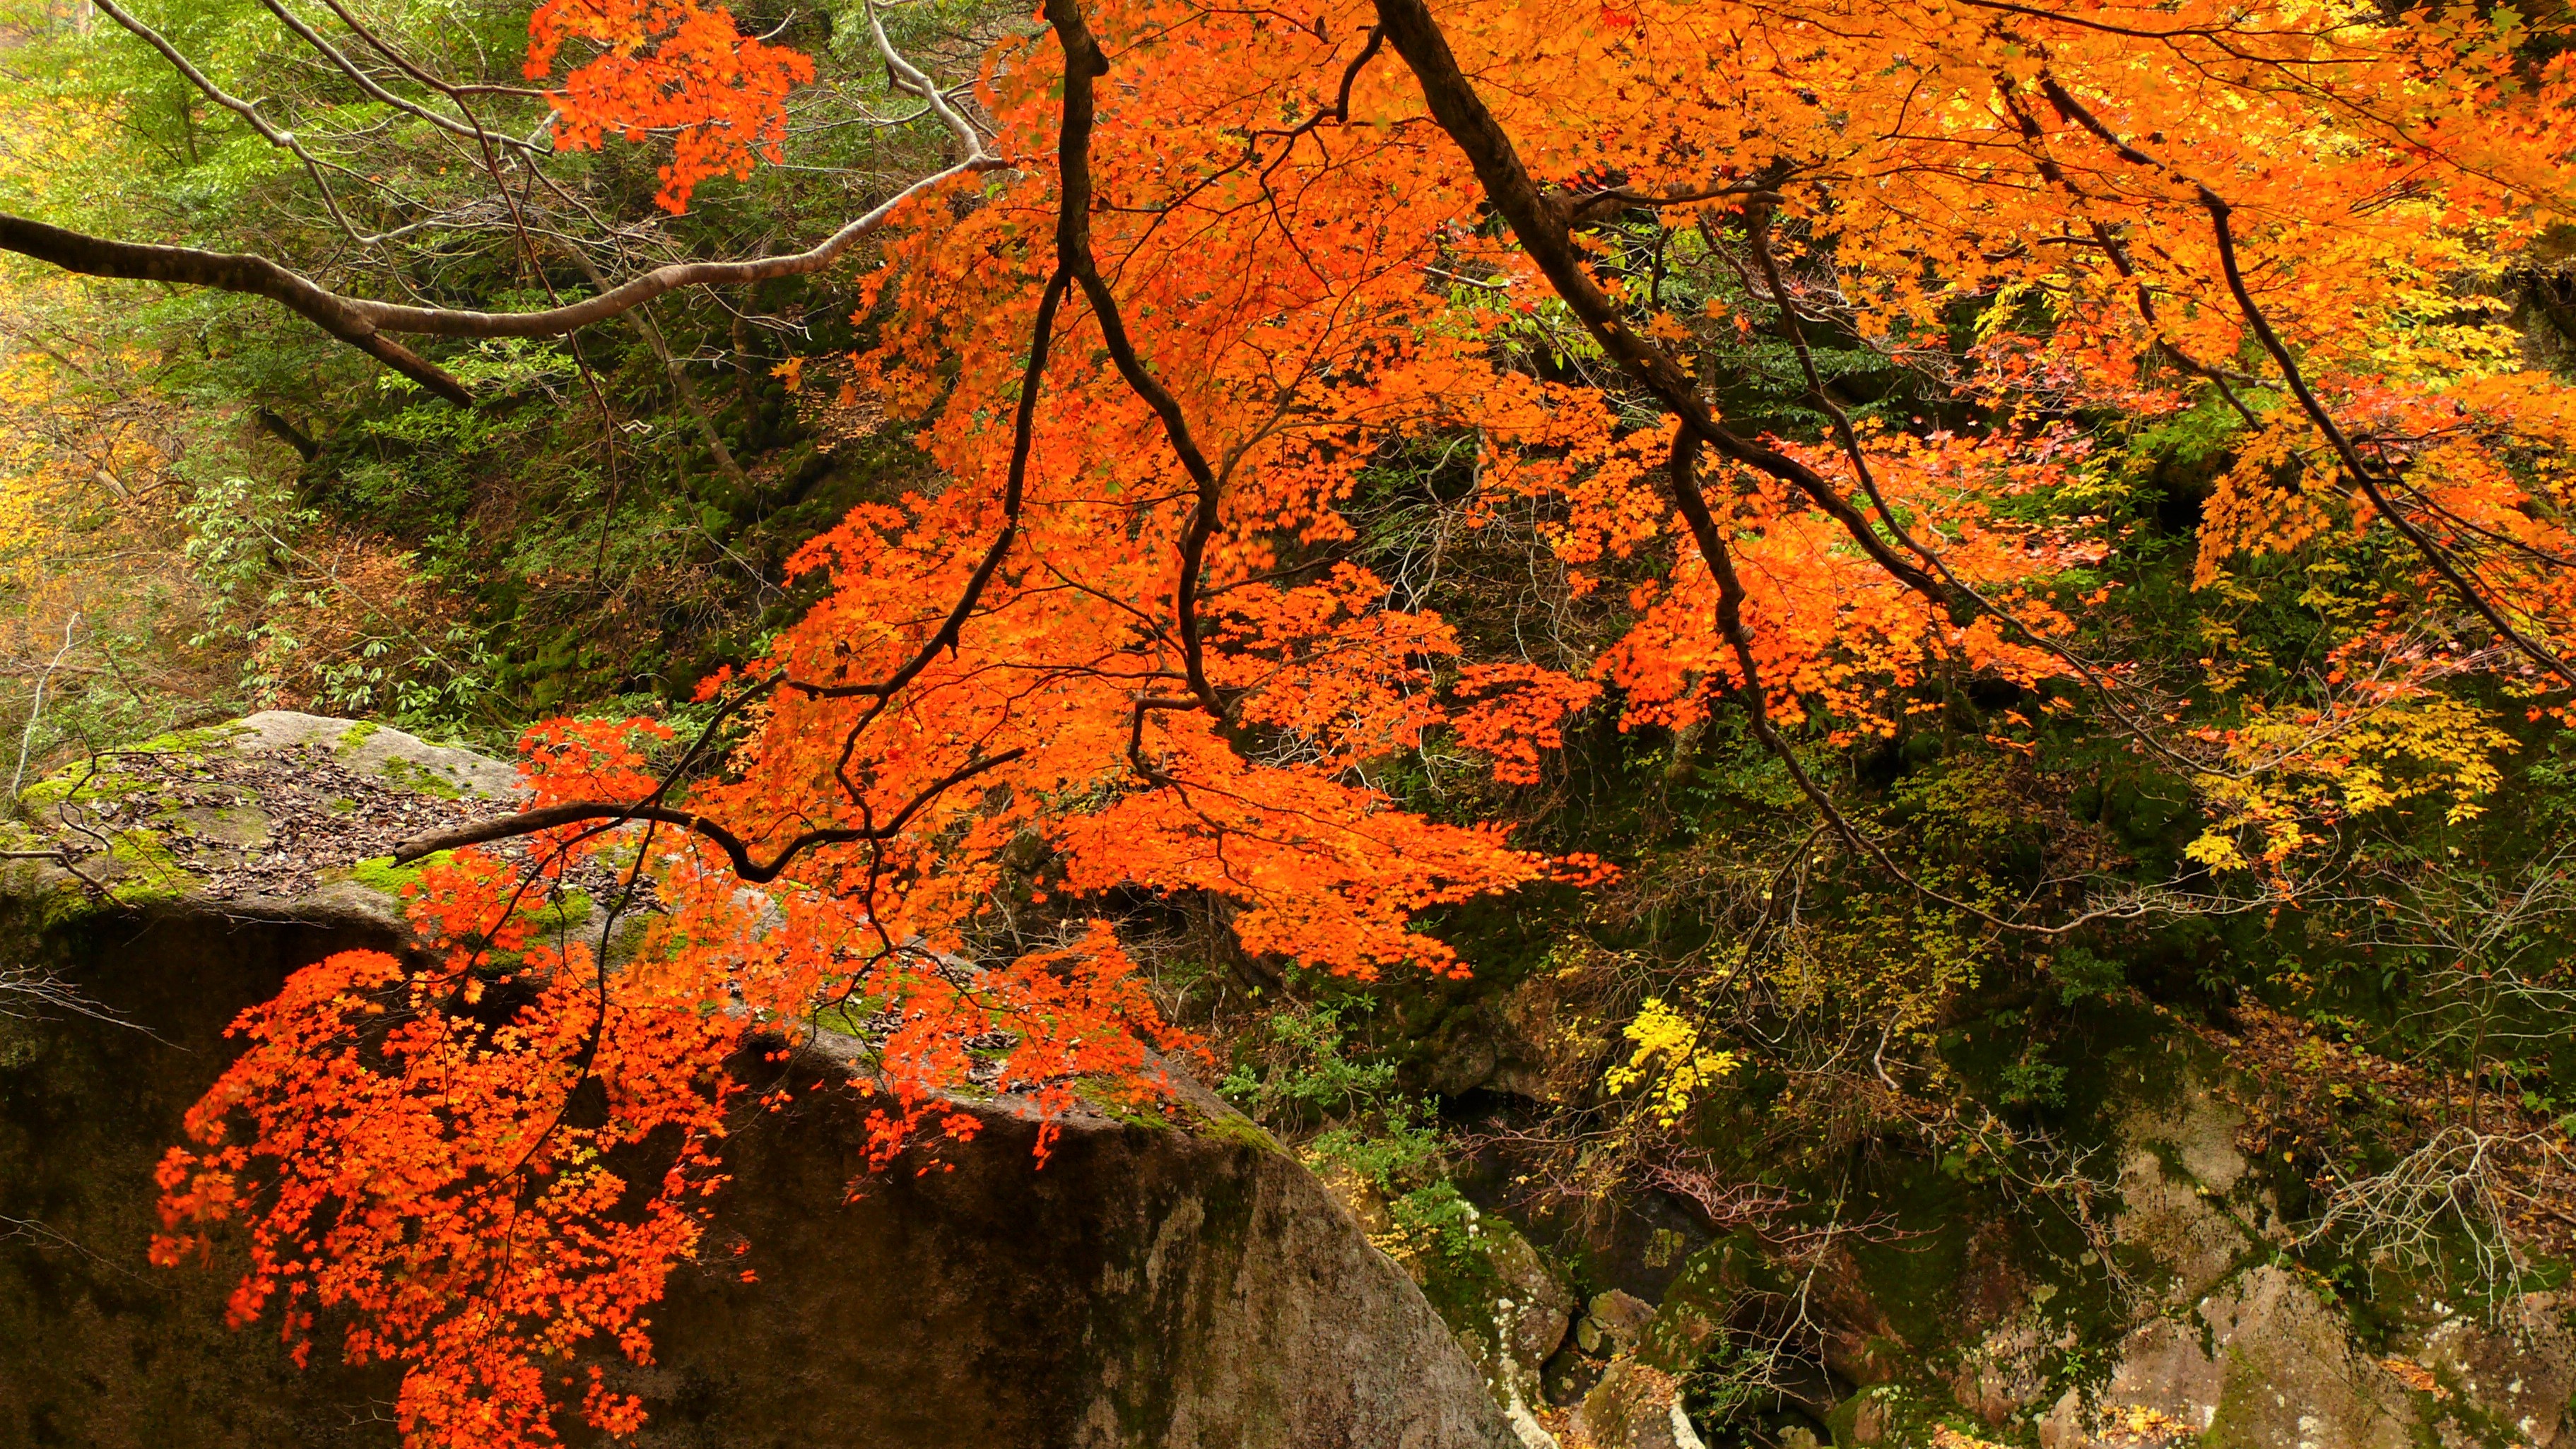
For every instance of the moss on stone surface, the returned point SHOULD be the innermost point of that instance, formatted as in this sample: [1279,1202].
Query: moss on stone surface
[148,871]
[419,778]
[81,782]
[196,741]
[1696,1307]
[1912,1274]
[568,910]
[381,875]
[61,910]
[1462,1288]
[1227,1126]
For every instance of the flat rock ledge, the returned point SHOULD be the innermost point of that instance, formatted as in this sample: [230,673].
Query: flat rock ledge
[276,816]
[1157,1285]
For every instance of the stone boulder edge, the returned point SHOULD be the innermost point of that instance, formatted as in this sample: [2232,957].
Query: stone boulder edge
[381,751]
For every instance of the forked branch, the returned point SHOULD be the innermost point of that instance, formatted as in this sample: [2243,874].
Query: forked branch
[737,850]
[2358,470]
[1084,63]
[1543,223]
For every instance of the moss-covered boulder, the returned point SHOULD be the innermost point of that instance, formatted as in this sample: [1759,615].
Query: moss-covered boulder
[279,815]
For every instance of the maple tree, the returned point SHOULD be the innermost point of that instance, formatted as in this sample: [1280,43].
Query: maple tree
[1190,274]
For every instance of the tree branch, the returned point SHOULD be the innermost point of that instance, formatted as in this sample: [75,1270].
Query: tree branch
[247,110]
[229,272]
[1731,597]
[361,322]
[366,83]
[2324,421]
[737,851]
[1543,225]
[1083,63]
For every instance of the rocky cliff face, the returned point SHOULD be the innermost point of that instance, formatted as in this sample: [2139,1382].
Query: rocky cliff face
[2152,1298]
[2232,1346]
[2211,1335]
[1153,1285]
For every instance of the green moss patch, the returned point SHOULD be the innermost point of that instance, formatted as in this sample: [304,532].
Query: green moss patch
[420,779]
[381,875]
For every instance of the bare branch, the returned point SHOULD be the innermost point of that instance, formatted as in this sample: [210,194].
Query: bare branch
[908,77]
[361,322]
[248,111]
[1084,63]
[367,83]
[226,271]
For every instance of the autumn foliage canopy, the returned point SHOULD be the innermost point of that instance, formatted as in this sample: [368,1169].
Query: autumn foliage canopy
[1233,258]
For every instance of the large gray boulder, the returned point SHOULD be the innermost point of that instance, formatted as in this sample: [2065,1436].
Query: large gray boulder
[1155,1284]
